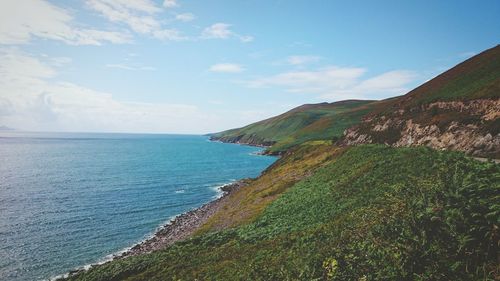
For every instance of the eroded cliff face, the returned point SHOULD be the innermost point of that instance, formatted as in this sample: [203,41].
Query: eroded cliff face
[243,139]
[469,126]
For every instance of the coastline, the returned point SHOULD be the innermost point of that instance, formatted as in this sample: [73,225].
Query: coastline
[183,225]
[265,146]
[179,228]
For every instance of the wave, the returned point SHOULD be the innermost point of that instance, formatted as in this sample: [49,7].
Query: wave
[219,193]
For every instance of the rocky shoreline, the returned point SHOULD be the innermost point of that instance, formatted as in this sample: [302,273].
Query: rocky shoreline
[180,228]
[266,146]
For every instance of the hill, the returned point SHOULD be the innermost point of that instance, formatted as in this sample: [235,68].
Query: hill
[360,213]
[457,110]
[322,121]
[356,194]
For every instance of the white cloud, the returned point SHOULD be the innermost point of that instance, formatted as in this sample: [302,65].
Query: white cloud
[227,68]
[146,6]
[21,20]
[170,3]
[298,60]
[31,100]
[138,15]
[59,61]
[217,30]
[139,20]
[223,31]
[245,38]
[337,83]
[128,67]
[185,17]
[392,82]
[323,78]
[169,34]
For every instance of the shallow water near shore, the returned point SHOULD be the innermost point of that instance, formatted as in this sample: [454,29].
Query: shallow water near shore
[68,200]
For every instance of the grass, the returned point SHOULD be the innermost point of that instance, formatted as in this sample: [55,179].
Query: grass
[308,122]
[246,203]
[367,213]
[370,212]
[329,127]
[476,78]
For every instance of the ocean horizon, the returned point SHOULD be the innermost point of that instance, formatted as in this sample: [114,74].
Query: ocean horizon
[68,200]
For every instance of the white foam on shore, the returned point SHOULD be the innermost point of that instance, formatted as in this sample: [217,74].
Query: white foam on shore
[110,257]
[218,189]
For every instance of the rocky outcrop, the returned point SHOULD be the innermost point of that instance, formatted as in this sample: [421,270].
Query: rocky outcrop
[469,126]
[243,139]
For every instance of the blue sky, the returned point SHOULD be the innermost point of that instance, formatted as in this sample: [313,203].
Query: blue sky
[180,66]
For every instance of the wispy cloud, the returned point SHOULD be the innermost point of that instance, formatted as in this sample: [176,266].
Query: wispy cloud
[185,17]
[217,30]
[227,67]
[170,4]
[335,83]
[223,31]
[22,20]
[129,67]
[138,15]
[31,100]
[299,60]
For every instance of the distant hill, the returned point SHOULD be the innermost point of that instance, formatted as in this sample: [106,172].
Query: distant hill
[5,128]
[457,110]
[322,121]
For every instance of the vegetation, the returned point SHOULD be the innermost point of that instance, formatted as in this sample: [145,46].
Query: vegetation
[322,121]
[474,79]
[371,212]
[246,203]
[364,213]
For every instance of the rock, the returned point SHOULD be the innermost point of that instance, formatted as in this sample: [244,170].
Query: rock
[467,137]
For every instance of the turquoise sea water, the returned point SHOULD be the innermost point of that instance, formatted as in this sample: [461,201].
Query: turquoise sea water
[68,200]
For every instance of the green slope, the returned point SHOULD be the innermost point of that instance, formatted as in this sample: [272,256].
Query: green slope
[457,109]
[369,213]
[474,79]
[321,121]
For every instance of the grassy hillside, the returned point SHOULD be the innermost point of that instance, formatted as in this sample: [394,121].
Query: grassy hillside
[362,213]
[322,121]
[367,212]
[457,110]
[476,79]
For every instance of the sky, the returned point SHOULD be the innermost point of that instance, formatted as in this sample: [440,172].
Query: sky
[194,67]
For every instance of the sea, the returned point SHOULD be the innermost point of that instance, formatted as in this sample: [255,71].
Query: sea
[68,200]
